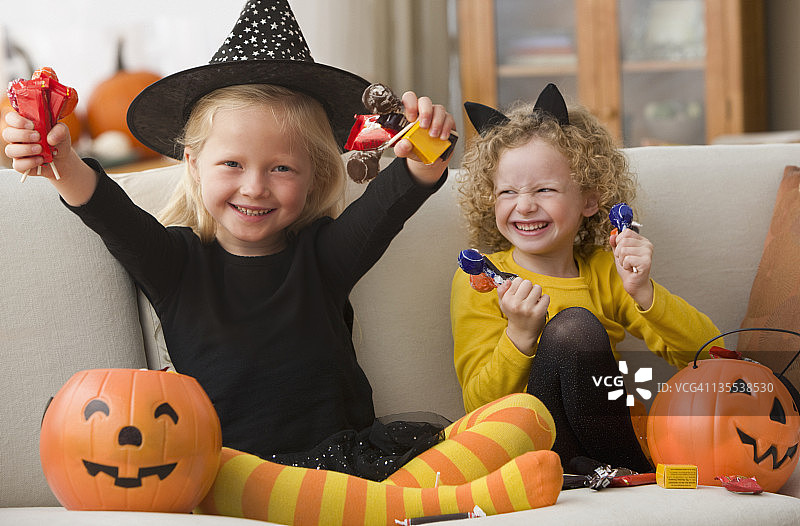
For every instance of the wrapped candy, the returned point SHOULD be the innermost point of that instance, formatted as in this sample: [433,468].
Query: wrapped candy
[382,128]
[740,484]
[45,101]
[721,352]
[621,216]
[483,275]
[370,132]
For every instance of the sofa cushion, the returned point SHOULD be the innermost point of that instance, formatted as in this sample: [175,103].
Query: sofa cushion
[151,190]
[647,505]
[706,209]
[62,517]
[775,296]
[66,305]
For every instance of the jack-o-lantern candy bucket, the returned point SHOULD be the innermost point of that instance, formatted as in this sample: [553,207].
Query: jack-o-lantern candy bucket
[729,417]
[128,439]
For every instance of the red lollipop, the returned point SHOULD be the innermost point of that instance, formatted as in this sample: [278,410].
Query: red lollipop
[44,101]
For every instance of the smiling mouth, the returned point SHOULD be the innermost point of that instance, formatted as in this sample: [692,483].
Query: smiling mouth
[772,451]
[252,212]
[530,227]
[129,482]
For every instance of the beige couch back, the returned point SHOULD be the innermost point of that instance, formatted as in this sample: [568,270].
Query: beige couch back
[66,304]
[705,208]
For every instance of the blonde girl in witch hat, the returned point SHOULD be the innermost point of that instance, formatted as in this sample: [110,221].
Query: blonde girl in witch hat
[251,276]
[536,192]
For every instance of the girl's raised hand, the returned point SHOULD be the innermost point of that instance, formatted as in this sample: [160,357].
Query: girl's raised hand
[633,255]
[439,123]
[23,147]
[526,309]
[78,180]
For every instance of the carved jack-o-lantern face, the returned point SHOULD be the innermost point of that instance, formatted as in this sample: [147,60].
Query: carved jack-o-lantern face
[727,417]
[126,439]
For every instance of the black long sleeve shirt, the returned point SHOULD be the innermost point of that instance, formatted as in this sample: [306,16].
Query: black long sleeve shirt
[268,338]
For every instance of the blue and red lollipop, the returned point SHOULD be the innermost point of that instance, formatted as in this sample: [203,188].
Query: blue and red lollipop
[621,216]
[484,276]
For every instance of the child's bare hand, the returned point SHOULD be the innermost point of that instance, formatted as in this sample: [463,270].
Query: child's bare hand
[526,309]
[439,123]
[633,255]
[23,147]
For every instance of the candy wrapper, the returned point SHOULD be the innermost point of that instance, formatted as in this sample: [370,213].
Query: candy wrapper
[739,484]
[44,101]
[483,275]
[475,513]
[382,128]
[721,352]
[621,216]
[370,132]
[593,474]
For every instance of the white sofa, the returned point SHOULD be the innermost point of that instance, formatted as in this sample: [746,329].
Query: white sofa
[66,305]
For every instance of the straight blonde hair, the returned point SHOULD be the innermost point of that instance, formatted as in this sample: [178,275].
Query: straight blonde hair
[302,116]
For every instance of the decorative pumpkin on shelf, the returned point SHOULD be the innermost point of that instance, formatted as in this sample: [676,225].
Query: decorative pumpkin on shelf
[128,439]
[107,106]
[729,417]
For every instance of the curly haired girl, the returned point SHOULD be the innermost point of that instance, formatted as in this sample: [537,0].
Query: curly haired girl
[536,191]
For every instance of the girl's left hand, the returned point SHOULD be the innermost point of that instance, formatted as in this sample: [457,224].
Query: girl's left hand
[633,255]
[439,123]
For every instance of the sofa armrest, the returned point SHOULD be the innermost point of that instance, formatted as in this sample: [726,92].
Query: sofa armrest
[66,305]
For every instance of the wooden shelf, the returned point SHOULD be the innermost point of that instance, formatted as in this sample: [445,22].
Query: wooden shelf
[637,66]
[525,70]
[730,81]
[655,66]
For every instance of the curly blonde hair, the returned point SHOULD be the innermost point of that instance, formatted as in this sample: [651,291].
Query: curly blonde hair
[596,163]
[302,117]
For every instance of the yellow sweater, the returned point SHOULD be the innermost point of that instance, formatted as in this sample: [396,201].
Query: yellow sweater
[489,366]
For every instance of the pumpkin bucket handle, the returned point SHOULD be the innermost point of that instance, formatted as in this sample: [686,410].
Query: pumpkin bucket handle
[745,329]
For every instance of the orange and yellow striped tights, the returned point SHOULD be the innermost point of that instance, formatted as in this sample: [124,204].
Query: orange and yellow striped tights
[496,457]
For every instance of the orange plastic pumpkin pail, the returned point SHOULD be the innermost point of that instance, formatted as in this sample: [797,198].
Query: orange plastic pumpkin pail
[128,439]
[728,417]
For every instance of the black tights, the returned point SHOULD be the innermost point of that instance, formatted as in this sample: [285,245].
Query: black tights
[573,348]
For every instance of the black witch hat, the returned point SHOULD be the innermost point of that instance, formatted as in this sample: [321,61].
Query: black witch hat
[265,46]
[550,101]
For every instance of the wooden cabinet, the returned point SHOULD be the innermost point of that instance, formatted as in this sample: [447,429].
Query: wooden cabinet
[654,71]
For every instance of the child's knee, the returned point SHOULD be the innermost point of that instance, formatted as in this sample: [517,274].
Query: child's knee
[529,414]
[574,320]
[572,336]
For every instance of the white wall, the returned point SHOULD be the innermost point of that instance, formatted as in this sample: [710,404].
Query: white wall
[165,36]
[161,35]
[76,37]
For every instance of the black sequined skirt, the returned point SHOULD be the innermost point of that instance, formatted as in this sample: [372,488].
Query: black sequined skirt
[373,453]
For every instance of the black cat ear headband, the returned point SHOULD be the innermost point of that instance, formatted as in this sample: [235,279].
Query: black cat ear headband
[549,101]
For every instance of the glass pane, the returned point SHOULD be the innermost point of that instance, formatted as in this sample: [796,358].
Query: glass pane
[663,64]
[535,45]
